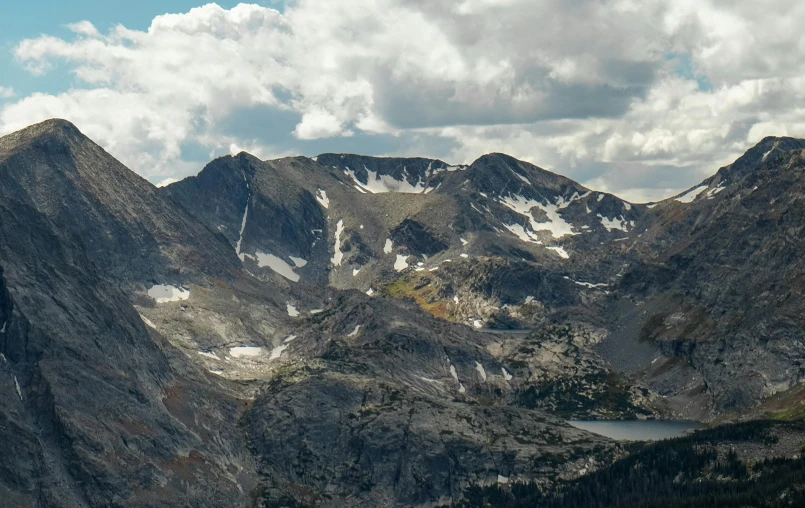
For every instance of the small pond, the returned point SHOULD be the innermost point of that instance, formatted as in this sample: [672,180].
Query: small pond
[637,430]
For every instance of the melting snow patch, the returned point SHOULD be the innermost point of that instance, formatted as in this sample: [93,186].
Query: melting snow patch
[164,293]
[463,241]
[389,245]
[522,233]
[481,370]
[521,177]
[243,351]
[299,262]
[378,184]
[354,332]
[766,155]
[455,376]
[338,256]
[145,320]
[209,354]
[289,338]
[433,269]
[217,372]
[465,255]
[242,229]
[401,263]
[370,291]
[292,311]
[691,195]
[600,197]
[477,323]
[556,224]
[322,198]
[713,192]
[617,223]
[528,299]
[277,352]
[559,250]
[506,375]
[356,271]
[317,311]
[276,264]
[587,284]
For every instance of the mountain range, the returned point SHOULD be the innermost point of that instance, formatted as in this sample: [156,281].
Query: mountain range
[346,330]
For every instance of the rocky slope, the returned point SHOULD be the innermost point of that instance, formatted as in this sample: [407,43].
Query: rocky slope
[144,365]
[361,331]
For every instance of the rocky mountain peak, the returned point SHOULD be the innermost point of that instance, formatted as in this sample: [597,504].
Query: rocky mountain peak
[767,148]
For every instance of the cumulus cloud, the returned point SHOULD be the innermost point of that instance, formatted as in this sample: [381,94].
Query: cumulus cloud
[640,98]
[7,92]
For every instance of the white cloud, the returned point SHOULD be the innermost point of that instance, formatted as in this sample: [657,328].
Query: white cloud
[7,92]
[637,98]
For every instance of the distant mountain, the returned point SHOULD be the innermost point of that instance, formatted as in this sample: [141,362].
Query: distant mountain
[347,330]
[142,364]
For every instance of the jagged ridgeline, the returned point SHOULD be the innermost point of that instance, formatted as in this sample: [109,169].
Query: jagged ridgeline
[361,331]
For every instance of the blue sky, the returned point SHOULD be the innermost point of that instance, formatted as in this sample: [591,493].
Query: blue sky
[24,19]
[642,99]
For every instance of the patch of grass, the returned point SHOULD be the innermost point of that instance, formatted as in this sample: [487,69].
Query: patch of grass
[421,291]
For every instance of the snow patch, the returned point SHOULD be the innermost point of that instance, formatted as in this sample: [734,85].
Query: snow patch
[338,256]
[209,354]
[506,375]
[242,229]
[481,370]
[617,223]
[277,352]
[522,233]
[292,311]
[379,184]
[691,195]
[355,271]
[389,245]
[559,250]
[502,479]
[147,321]
[354,333]
[464,255]
[587,284]
[477,323]
[321,197]
[289,338]
[713,192]
[17,385]
[276,264]
[370,291]
[463,241]
[556,224]
[299,262]
[244,351]
[401,263]
[164,293]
